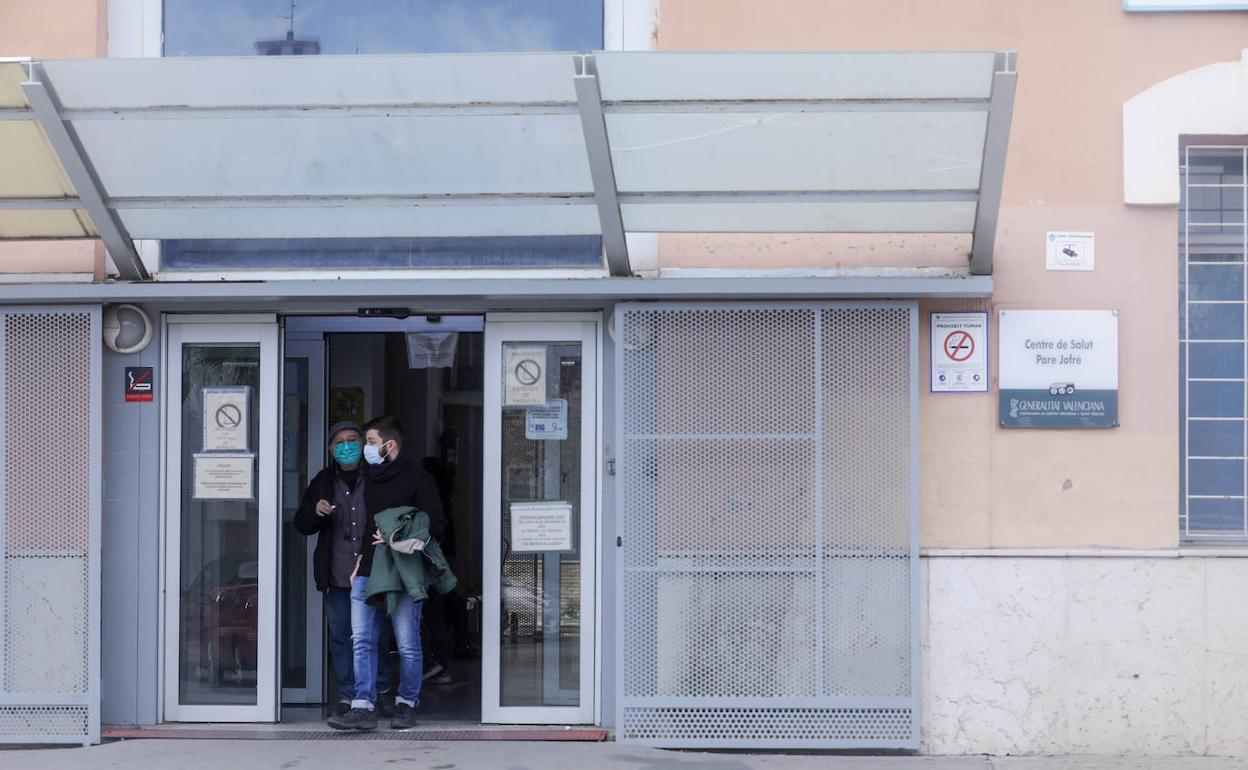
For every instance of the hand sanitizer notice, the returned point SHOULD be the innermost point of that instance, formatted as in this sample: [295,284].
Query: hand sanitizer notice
[1059,368]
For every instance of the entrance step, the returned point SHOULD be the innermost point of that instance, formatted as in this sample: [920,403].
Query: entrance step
[301,732]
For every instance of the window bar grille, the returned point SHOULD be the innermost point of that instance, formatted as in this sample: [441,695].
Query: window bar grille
[1187,347]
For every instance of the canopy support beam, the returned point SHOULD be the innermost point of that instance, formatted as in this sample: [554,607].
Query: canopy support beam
[992,167]
[601,168]
[47,111]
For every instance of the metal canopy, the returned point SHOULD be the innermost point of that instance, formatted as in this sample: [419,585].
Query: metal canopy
[503,145]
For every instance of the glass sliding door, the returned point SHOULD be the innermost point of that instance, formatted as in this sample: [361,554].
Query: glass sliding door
[540,491]
[221,520]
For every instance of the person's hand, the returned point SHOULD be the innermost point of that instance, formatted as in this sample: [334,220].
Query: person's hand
[356,568]
[323,508]
[377,538]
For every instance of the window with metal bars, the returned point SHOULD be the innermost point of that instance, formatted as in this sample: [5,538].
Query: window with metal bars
[1213,335]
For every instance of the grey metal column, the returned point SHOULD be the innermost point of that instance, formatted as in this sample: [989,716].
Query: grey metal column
[992,167]
[601,168]
[47,109]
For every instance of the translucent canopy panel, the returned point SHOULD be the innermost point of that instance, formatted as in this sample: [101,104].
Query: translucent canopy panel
[37,200]
[548,144]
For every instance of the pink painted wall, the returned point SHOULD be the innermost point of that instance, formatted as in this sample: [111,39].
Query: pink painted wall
[1078,62]
[51,29]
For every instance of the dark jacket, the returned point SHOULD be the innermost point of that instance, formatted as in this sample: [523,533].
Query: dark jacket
[308,523]
[397,483]
[409,562]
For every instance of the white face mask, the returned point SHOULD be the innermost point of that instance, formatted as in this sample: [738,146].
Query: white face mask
[372,454]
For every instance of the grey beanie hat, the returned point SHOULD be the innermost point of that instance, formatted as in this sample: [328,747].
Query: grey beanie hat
[342,425]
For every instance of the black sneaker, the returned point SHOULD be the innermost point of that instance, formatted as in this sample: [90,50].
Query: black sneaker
[404,717]
[355,719]
[339,708]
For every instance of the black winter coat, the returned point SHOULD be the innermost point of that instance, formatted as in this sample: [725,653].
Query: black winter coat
[308,523]
[402,481]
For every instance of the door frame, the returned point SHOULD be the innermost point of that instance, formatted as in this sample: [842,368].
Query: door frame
[311,347]
[224,329]
[585,328]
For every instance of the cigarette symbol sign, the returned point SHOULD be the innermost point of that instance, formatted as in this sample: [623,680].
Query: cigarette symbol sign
[959,345]
[139,383]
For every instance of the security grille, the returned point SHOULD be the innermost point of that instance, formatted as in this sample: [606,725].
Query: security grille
[49,526]
[768,521]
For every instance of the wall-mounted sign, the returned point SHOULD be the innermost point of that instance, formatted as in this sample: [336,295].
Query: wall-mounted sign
[541,527]
[547,422]
[959,352]
[524,372]
[1070,251]
[1059,368]
[140,383]
[225,419]
[223,476]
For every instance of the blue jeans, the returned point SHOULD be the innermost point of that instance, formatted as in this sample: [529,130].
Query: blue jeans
[367,624]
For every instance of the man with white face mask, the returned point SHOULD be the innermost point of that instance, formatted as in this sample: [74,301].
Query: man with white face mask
[394,479]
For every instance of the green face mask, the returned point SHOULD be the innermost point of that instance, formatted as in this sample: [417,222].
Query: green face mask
[347,453]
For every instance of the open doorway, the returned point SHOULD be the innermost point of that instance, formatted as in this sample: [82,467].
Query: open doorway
[428,373]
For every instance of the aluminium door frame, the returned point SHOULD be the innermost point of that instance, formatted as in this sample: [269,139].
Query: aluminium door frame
[585,328]
[313,349]
[208,328]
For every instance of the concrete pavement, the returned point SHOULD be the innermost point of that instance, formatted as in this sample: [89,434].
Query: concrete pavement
[357,754]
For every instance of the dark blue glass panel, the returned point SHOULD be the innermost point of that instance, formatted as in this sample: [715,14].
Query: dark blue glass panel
[383,253]
[250,27]
[1217,359]
[1215,282]
[1215,477]
[1216,438]
[1215,322]
[1216,399]
[1216,515]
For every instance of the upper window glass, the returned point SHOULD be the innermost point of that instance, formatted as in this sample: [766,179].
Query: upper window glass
[323,27]
[282,27]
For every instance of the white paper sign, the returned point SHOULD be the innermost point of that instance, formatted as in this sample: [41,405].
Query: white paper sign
[524,372]
[223,476]
[1070,251]
[225,419]
[541,527]
[959,352]
[547,422]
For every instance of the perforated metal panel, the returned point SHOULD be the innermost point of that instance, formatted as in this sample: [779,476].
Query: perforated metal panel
[49,525]
[768,519]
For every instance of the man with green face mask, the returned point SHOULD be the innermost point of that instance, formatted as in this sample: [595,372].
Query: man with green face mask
[332,508]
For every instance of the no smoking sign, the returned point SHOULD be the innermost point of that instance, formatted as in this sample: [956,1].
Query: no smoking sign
[959,345]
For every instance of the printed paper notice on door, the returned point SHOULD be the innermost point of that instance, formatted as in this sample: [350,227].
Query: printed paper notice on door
[524,375]
[223,476]
[549,421]
[541,527]
[226,423]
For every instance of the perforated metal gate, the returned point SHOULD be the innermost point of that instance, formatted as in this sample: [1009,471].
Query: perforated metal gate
[768,476]
[50,525]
